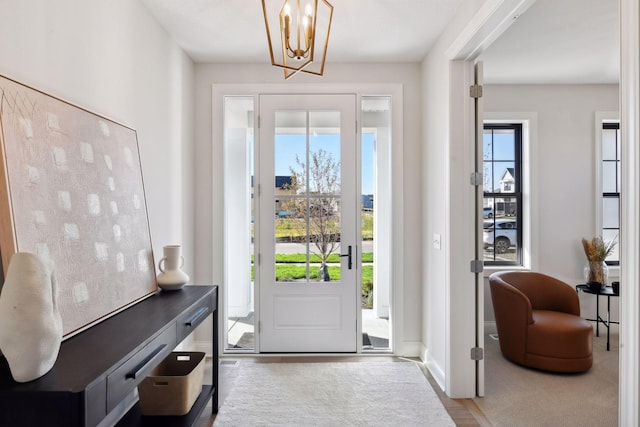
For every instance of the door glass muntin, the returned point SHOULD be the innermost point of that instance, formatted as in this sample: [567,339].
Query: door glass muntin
[308,191]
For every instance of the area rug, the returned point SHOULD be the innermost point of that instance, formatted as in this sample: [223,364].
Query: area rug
[331,394]
[518,396]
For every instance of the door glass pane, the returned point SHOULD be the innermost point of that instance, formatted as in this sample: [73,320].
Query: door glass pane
[290,206]
[375,208]
[239,221]
[307,196]
[324,156]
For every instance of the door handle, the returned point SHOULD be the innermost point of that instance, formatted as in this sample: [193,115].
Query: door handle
[348,254]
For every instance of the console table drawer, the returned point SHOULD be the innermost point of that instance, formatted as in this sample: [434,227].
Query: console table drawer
[128,375]
[194,317]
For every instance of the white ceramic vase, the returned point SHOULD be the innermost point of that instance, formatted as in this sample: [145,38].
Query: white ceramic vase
[30,323]
[171,276]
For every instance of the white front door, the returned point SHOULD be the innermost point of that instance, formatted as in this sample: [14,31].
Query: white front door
[308,211]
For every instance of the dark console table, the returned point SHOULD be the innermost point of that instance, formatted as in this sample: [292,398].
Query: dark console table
[97,371]
[604,291]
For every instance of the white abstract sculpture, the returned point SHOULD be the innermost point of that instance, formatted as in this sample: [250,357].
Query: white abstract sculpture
[30,324]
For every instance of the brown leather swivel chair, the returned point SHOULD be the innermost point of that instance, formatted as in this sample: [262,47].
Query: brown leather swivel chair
[539,323]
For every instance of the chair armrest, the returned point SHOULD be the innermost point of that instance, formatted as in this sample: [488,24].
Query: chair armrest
[513,314]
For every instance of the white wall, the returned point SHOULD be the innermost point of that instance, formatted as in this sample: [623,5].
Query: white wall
[208,208]
[112,58]
[440,214]
[565,183]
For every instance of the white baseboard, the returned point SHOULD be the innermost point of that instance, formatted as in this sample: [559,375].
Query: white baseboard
[436,370]
[490,327]
[410,349]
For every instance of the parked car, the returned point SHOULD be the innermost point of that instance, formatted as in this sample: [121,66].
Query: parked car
[501,234]
[487,212]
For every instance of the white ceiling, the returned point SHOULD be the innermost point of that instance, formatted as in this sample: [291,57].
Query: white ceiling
[554,41]
[558,41]
[361,30]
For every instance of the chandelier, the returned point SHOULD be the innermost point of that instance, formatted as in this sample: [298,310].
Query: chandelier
[303,34]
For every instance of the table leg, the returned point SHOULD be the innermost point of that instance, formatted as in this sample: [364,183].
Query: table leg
[597,315]
[608,319]
[216,359]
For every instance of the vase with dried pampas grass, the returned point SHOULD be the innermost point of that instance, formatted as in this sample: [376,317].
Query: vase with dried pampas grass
[597,250]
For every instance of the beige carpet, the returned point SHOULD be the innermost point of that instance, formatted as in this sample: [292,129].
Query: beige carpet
[520,397]
[331,394]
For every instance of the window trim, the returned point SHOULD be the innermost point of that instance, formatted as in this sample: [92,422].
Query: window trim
[529,174]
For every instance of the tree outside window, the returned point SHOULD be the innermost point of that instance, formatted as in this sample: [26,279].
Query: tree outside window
[317,211]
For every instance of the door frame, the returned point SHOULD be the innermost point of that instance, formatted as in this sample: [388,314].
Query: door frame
[479,252]
[629,375]
[465,314]
[397,264]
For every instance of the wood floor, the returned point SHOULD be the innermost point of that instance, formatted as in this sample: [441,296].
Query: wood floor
[464,412]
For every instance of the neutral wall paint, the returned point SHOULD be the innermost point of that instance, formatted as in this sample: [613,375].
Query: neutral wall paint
[565,177]
[113,58]
[441,316]
[208,208]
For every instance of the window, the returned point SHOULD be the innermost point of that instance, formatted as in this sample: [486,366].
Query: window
[502,188]
[610,181]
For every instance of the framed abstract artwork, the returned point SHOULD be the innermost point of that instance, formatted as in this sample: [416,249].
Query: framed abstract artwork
[71,190]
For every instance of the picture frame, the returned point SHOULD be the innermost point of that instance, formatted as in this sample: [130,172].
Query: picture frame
[71,190]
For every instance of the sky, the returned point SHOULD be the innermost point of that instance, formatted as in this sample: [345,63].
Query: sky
[502,148]
[288,145]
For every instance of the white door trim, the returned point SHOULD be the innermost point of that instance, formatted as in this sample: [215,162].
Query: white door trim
[629,381]
[399,345]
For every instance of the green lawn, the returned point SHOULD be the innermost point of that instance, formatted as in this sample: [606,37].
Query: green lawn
[289,273]
[314,258]
[291,267]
